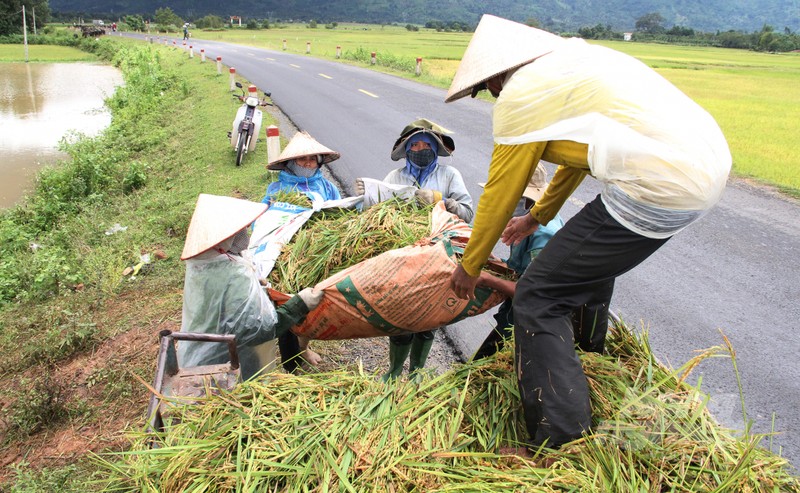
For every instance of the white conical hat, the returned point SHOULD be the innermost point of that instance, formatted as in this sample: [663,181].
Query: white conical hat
[302,144]
[216,219]
[497,46]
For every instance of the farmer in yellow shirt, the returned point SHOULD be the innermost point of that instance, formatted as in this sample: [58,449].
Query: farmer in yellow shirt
[661,158]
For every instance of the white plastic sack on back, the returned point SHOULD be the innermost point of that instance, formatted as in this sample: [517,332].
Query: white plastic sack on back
[650,144]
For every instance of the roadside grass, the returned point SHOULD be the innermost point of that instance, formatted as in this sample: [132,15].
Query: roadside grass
[44,53]
[752,95]
[74,331]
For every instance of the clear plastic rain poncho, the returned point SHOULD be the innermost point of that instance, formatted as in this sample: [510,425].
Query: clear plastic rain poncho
[222,295]
[662,157]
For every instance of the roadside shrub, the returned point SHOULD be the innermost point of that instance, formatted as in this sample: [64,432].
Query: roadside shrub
[28,480]
[135,177]
[41,403]
[58,337]
[383,59]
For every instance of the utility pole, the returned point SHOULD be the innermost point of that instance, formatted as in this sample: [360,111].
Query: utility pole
[25,33]
[34,20]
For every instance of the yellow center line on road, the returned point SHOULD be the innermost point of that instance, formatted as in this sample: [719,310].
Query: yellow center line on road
[293,65]
[270,59]
[368,93]
[326,76]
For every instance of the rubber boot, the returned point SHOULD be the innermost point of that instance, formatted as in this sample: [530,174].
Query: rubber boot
[419,353]
[397,357]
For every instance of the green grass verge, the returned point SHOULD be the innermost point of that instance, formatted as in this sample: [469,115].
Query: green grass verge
[63,294]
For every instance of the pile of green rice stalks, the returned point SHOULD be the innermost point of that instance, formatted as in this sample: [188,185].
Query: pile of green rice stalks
[347,431]
[293,197]
[333,240]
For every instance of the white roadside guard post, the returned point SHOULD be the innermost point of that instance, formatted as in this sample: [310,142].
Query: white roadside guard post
[219,65]
[284,45]
[308,47]
[191,51]
[233,78]
[419,66]
[373,58]
[338,52]
[273,143]
[202,54]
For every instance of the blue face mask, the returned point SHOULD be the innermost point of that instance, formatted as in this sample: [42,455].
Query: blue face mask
[423,158]
[300,171]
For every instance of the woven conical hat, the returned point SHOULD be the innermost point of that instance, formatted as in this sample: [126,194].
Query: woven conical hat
[498,45]
[301,145]
[216,219]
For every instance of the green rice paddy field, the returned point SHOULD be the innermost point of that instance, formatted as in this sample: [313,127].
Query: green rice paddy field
[755,97]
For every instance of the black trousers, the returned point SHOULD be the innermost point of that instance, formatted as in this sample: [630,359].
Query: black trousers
[289,347]
[409,338]
[576,268]
[587,327]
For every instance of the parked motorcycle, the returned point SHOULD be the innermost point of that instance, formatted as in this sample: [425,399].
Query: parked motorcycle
[247,123]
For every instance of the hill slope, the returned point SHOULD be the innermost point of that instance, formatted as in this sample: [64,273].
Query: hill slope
[569,15]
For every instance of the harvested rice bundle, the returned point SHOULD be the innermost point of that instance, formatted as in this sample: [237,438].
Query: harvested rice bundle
[334,240]
[347,431]
[293,197]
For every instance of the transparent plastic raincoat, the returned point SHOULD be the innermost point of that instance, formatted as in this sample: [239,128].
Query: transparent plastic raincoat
[222,295]
[662,157]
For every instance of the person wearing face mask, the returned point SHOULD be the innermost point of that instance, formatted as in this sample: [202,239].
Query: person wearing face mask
[300,166]
[222,294]
[421,144]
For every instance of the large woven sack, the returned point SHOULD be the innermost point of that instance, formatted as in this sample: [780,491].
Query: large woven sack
[398,292]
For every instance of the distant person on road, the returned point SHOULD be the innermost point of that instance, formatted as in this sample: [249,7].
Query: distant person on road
[300,166]
[662,162]
[222,294]
[420,144]
[186,31]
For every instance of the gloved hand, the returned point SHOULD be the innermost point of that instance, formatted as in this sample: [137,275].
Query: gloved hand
[359,186]
[311,297]
[426,196]
[451,205]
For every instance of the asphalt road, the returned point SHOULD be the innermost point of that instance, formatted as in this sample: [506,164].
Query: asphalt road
[735,272]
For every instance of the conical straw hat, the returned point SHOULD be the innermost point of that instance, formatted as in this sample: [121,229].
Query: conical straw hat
[216,219]
[302,144]
[498,45]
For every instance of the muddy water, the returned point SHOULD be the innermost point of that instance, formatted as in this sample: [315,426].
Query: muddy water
[39,104]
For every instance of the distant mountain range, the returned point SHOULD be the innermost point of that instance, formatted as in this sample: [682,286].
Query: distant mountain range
[556,15]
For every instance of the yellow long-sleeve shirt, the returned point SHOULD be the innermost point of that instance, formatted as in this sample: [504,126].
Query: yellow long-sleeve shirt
[509,173]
